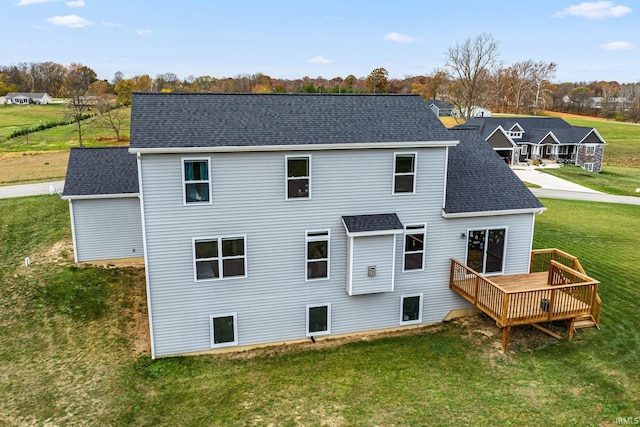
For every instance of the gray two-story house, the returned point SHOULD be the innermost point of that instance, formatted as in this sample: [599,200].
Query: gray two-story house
[272,218]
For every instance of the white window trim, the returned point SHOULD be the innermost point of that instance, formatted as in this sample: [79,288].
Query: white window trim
[286,175]
[235,330]
[411,229]
[184,181]
[319,238]
[414,173]
[315,334]
[563,149]
[484,264]
[588,167]
[411,322]
[523,149]
[220,258]
[589,150]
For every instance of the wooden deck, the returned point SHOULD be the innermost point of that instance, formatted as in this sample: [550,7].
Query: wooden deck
[555,289]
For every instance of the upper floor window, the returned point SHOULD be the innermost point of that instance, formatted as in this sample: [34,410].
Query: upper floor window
[197,184]
[590,150]
[404,173]
[298,177]
[219,258]
[317,255]
[414,247]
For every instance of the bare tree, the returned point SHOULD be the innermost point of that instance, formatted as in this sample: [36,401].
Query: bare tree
[543,72]
[109,115]
[77,82]
[468,65]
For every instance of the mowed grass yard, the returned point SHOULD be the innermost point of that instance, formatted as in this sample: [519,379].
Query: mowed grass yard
[42,156]
[73,348]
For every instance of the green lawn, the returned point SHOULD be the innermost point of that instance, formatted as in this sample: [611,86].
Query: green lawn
[15,117]
[613,179]
[68,354]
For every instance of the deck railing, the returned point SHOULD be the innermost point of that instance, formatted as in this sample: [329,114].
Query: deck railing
[541,258]
[569,294]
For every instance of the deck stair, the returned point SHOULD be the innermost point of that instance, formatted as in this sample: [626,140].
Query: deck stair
[556,288]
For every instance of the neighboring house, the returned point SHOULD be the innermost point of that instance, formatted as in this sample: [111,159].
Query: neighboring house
[273,218]
[531,138]
[476,111]
[440,108]
[24,98]
[102,189]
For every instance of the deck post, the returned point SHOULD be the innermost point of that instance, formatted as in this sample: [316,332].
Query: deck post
[571,327]
[475,292]
[506,333]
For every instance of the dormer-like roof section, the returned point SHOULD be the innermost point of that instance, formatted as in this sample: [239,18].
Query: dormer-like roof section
[101,172]
[212,120]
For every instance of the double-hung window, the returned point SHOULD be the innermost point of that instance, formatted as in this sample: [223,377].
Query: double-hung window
[196,181]
[410,309]
[318,319]
[404,173]
[317,255]
[414,236]
[486,249]
[590,150]
[219,258]
[298,177]
[224,330]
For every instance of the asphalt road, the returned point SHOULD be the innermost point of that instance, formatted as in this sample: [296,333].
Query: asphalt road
[30,189]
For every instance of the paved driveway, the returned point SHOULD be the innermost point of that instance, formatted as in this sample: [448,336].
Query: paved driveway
[30,189]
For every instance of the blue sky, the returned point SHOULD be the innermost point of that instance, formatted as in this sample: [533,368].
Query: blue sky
[597,40]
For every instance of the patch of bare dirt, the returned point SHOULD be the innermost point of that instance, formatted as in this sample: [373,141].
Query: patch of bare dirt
[482,329]
[60,253]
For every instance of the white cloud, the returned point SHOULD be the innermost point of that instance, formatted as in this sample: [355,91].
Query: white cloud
[400,38]
[71,21]
[320,60]
[594,10]
[143,32]
[28,2]
[110,24]
[75,3]
[619,45]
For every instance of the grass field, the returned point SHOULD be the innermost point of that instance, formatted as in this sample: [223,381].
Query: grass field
[16,117]
[71,353]
[32,166]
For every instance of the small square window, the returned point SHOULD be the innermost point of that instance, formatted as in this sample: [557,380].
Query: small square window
[590,151]
[411,309]
[404,173]
[298,177]
[318,319]
[224,330]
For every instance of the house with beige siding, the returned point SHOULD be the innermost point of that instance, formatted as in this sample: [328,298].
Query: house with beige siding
[276,218]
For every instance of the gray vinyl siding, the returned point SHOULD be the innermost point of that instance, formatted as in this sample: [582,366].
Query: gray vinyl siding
[248,198]
[377,252]
[107,228]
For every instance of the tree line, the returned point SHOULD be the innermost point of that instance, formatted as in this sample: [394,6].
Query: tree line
[473,75]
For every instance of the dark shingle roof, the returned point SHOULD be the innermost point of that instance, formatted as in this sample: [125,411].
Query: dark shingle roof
[442,105]
[101,171]
[369,223]
[224,120]
[535,128]
[478,180]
